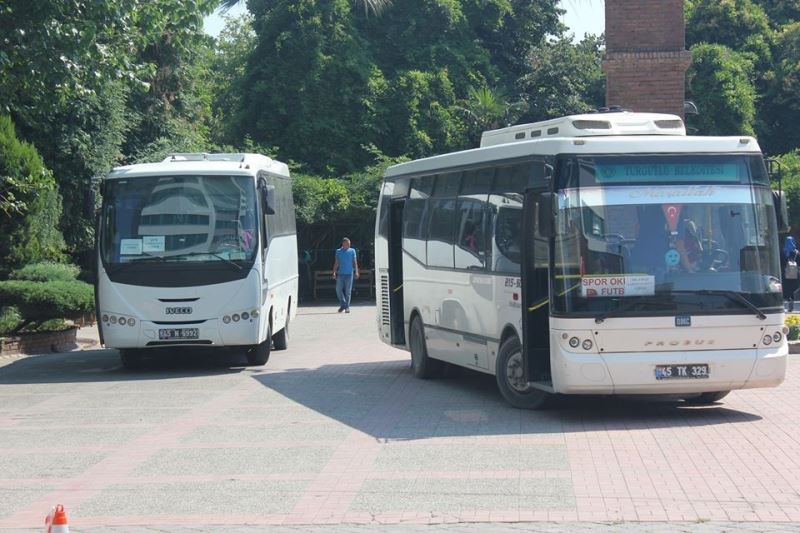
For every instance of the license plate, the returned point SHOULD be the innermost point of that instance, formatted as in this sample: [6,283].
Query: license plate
[694,371]
[178,334]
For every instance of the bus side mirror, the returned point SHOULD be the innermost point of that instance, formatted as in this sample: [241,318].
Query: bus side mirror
[267,198]
[89,203]
[545,216]
[781,211]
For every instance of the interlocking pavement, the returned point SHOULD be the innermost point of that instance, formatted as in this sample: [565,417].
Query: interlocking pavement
[335,434]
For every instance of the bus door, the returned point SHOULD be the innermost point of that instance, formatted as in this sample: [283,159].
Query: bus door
[535,294]
[396,207]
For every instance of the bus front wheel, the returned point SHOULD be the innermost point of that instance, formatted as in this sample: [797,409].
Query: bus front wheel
[258,355]
[281,339]
[510,375]
[422,366]
[130,359]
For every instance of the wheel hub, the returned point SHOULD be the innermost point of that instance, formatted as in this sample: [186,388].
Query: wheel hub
[515,374]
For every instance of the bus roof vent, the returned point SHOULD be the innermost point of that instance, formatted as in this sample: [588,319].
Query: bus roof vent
[256,160]
[588,125]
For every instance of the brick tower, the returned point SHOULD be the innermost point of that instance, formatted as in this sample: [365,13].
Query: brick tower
[646,57]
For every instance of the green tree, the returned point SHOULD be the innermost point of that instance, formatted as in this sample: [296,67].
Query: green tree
[228,67]
[741,25]
[780,108]
[563,79]
[781,11]
[487,109]
[308,85]
[29,204]
[719,82]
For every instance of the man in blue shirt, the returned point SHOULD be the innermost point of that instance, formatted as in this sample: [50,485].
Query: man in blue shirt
[344,266]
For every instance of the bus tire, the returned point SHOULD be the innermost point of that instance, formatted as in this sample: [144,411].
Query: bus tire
[258,355]
[130,359]
[707,398]
[509,375]
[281,339]
[422,366]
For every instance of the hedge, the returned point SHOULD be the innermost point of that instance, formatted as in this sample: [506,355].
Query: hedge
[40,301]
[47,272]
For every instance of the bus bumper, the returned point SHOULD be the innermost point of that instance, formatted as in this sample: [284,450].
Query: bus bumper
[212,333]
[635,373]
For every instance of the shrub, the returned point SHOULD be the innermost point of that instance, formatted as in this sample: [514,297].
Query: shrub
[793,323]
[41,301]
[30,205]
[47,272]
[10,319]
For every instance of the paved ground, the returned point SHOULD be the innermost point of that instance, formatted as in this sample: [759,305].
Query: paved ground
[336,431]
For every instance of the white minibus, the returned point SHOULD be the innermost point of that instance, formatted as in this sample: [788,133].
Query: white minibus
[197,250]
[605,253]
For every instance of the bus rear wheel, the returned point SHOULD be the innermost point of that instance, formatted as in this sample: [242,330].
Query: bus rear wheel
[422,366]
[707,398]
[510,375]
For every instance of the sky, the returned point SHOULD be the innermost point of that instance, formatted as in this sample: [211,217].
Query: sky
[583,16]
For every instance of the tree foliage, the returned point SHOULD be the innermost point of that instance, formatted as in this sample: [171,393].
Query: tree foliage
[29,204]
[719,82]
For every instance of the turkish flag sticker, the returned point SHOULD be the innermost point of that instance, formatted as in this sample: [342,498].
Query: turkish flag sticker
[672,212]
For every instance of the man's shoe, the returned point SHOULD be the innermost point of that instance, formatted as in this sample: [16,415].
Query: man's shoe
[347,310]
[340,310]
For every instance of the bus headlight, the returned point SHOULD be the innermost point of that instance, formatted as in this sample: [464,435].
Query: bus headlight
[113,319]
[574,342]
[254,313]
[245,316]
[131,322]
[122,321]
[235,317]
[777,337]
[767,340]
[587,345]
[226,319]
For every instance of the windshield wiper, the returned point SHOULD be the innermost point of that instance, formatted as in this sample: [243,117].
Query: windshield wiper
[731,295]
[146,259]
[627,303]
[214,254]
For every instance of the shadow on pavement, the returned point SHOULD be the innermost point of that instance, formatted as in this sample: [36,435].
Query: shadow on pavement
[104,365]
[384,400]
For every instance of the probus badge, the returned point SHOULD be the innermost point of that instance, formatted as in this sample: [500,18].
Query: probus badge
[683,321]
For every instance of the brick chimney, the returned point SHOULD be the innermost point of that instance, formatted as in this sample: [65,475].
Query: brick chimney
[646,57]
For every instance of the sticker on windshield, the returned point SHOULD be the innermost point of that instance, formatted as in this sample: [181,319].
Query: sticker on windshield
[672,257]
[622,285]
[130,247]
[153,243]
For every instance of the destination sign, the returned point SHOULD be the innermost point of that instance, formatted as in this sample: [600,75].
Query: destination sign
[667,172]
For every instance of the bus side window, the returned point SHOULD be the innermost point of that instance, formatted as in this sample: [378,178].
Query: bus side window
[415,218]
[472,220]
[506,205]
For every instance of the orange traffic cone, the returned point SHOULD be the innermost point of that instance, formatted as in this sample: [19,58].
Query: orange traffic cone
[56,521]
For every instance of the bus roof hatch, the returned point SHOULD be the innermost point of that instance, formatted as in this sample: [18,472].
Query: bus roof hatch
[588,125]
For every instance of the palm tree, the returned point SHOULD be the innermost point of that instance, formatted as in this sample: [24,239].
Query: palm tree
[376,6]
[487,109]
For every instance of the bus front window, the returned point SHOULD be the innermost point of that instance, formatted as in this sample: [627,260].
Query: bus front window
[179,218]
[628,229]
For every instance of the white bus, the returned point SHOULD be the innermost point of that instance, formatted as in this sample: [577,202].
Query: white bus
[591,254]
[197,250]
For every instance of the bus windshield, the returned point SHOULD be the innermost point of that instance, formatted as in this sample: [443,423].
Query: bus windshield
[668,234]
[170,219]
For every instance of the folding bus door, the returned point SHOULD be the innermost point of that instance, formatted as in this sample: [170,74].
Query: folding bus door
[535,294]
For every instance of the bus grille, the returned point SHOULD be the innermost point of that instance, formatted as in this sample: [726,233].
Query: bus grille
[385,320]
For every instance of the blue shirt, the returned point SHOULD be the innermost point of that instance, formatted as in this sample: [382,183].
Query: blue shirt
[789,247]
[345,259]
